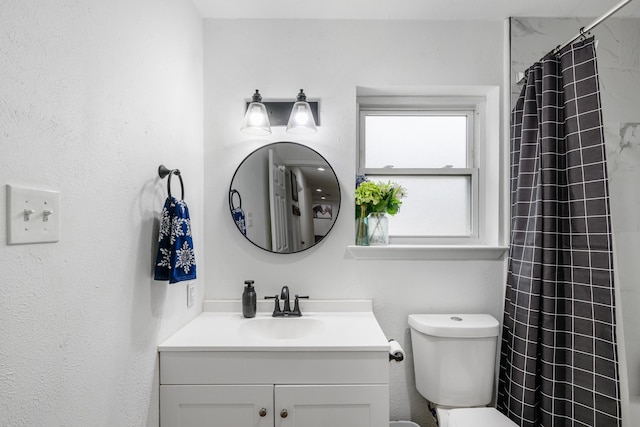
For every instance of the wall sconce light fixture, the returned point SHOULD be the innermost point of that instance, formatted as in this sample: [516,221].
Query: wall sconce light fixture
[256,119]
[300,117]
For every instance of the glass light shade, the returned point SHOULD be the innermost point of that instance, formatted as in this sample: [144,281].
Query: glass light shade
[301,119]
[256,120]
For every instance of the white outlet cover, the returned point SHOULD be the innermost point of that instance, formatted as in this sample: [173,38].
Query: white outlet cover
[191,294]
[37,227]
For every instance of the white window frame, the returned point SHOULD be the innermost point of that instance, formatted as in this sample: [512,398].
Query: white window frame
[470,172]
[482,106]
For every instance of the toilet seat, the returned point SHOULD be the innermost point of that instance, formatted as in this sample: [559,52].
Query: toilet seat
[475,417]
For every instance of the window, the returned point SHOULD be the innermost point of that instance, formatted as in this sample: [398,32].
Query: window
[436,148]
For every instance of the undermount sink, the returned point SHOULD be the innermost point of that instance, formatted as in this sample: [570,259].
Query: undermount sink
[281,328]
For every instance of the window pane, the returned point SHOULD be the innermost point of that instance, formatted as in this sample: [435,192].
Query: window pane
[434,206]
[416,141]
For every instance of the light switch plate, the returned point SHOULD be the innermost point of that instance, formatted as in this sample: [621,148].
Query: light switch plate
[33,215]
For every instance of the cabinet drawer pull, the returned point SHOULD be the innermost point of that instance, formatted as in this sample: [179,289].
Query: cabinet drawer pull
[284,413]
[263,412]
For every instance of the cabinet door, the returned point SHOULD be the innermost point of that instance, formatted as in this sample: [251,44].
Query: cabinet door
[216,406]
[332,405]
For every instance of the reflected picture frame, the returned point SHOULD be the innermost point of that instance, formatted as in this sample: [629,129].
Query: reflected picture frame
[322,211]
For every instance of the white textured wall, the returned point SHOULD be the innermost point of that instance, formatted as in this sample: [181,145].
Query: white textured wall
[329,59]
[95,95]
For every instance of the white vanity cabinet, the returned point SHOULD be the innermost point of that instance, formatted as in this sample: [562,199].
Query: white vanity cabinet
[332,405]
[253,388]
[278,405]
[216,405]
[330,369]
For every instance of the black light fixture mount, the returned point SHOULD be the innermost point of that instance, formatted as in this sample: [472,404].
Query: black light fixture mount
[279,112]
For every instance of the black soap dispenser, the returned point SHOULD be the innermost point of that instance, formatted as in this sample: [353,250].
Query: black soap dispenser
[249,299]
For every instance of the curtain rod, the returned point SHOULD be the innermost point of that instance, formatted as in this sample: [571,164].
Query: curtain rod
[594,24]
[521,77]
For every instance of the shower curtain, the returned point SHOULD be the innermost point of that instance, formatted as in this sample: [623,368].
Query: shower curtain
[558,363]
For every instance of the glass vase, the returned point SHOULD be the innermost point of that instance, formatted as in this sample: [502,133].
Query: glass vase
[378,228]
[362,234]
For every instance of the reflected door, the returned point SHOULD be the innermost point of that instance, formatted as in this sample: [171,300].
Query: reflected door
[278,204]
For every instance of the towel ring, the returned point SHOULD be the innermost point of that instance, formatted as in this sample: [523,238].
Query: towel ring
[163,171]
[231,194]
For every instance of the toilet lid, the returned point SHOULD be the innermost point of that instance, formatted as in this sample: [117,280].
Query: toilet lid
[478,417]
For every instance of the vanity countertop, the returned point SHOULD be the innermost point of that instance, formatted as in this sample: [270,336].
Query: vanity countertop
[324,326]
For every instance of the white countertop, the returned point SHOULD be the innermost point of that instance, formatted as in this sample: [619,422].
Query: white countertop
[223,328]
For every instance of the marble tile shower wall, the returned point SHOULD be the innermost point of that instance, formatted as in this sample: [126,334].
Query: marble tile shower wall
[619,67]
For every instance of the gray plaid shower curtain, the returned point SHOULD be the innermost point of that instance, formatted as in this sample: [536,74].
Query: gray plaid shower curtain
[558,364]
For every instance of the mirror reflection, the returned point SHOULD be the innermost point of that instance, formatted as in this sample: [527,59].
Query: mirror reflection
[284,197]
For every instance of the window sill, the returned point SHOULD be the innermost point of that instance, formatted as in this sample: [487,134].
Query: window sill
[426,252]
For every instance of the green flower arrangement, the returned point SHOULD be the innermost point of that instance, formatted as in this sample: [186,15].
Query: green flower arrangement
[378,197]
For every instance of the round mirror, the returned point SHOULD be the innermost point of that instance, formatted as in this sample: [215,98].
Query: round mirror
[284,197]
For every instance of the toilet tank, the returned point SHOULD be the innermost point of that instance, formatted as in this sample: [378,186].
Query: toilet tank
[454,357]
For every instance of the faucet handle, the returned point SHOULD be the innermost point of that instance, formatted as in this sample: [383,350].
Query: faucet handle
[276,308]
[296,304]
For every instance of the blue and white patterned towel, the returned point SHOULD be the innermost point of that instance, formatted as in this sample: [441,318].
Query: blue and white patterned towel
[176,259]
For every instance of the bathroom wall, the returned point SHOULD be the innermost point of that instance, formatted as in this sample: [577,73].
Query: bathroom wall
[95,95]
[618,53]
[329,59]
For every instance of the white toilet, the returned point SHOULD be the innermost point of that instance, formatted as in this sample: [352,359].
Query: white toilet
[454,357]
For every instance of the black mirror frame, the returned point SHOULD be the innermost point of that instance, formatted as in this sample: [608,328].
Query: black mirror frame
[232,191]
